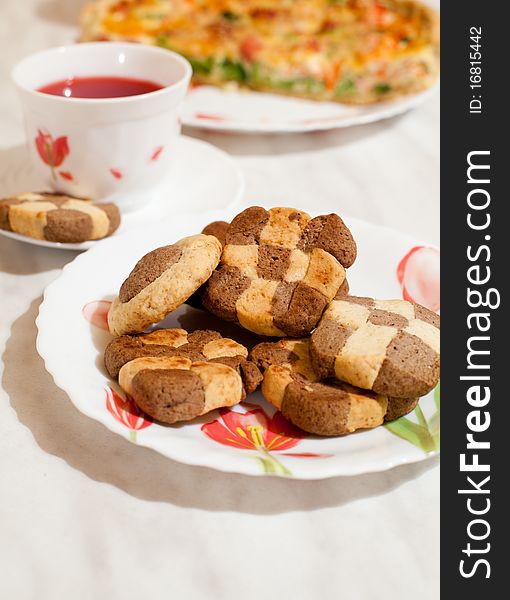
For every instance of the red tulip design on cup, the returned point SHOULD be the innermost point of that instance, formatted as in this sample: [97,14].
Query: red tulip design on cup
[53,152]
[418,274]
[126,412]
[255,430]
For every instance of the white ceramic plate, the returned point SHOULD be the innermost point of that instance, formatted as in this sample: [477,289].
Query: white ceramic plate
[72,337]
[202,177]
[254,112]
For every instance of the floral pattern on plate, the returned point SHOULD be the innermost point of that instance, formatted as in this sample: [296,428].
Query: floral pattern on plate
[255,430]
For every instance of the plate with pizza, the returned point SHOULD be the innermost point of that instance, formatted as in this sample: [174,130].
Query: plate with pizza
[287,66]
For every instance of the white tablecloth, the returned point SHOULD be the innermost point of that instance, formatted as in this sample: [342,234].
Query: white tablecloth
[86,515]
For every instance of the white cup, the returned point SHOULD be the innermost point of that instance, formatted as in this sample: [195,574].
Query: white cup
[108,149]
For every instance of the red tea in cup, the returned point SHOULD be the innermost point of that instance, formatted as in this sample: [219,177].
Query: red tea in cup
[99,87]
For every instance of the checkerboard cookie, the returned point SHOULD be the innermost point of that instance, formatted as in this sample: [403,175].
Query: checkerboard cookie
[388,346]
[327,407]
[175,388]
[201,345]
[279,270]
[161,281]
[173,375]
[57,217]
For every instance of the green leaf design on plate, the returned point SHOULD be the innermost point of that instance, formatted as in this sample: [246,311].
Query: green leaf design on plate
[271,465]
[425,434]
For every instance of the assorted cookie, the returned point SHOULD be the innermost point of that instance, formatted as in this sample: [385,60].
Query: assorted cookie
[161,281]
[279,270]
[327,407]
[388,346]
[173,375]
[342,362]
[58,218]
[175,388]
[197,346]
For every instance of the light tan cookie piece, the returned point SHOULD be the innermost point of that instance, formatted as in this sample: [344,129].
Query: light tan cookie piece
[161,281]
[388,346]
[201,345]
[279,270]
[58,217]
[173,389]
[328,407]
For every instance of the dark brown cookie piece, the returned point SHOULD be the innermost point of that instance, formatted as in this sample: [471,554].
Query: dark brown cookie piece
[218,229]
[331,234]
[170,395]
[398,407]
[246,227]
[427,315]
[319,408]
[343,290]
[295,308]
[387,318]
[269,353]
[148,269]
[113,214]
[273,262]
[68,226]
[410,365]
[223,290]
[326,343]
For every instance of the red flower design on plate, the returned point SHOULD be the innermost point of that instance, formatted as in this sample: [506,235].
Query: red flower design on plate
[53,152]
[116,173]
[66,175]
[157,152]
[96,313]
[126,412]
[418,274]
[208,117]
[255,430]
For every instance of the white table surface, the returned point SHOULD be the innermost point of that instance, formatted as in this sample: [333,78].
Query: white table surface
[84,514]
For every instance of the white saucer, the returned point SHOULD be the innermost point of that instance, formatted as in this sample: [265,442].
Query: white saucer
[203,179]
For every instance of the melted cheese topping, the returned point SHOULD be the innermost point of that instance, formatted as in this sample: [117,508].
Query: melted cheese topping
[305,46]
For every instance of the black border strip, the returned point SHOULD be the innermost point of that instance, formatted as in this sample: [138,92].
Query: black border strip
[474,257]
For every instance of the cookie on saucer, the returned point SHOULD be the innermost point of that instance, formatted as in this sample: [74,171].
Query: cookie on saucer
[57,217]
